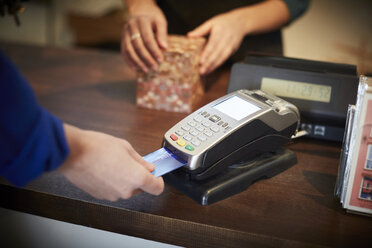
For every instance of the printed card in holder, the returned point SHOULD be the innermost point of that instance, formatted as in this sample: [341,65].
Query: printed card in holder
[354,186]
[165,161]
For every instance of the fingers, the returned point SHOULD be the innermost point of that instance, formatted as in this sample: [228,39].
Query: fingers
[125,53]
[137,35]
[149,166]
[138,181]
[152,185]
[209,59]
[161,33]
[149,41]
[107,167]
[147,181]
[130,55]
[142,181]
[215,53]
[148,184]
[217,49]
[225,35]
[143,41]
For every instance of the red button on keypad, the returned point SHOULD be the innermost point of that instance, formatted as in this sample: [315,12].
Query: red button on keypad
[173,137]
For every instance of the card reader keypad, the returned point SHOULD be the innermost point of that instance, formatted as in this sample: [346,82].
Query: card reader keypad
[198,130]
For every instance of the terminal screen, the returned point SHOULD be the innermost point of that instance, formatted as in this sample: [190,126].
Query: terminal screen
[236,107]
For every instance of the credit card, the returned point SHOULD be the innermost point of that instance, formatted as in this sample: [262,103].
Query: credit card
[165,161]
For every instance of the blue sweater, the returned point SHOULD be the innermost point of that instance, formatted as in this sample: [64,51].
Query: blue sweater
[32,140]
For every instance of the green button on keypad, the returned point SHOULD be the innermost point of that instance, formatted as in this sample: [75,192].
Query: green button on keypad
[190,148]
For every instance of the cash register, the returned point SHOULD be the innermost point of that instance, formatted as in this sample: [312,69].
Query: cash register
[322,91]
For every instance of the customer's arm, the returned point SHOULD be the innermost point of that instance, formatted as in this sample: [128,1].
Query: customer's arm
[33,141]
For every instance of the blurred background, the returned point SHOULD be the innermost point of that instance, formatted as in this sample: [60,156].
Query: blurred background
[331,30]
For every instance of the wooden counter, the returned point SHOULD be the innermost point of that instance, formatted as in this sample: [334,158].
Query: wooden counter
[95,90]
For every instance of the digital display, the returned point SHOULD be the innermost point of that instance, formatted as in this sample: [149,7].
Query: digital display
[297,90]
[236,107]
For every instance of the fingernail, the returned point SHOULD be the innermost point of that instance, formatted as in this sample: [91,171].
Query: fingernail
[164,43]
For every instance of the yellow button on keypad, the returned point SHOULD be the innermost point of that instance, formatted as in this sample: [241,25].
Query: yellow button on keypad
[181,142]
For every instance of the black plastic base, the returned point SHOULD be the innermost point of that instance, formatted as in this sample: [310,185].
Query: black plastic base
[234,179]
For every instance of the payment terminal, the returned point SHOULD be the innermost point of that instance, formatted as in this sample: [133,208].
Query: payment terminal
[229,144]
[240,126]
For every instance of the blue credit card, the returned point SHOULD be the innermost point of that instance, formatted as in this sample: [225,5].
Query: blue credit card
[165,161]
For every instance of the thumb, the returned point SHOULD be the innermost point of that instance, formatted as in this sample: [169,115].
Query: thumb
[149,166]
[152,185]
[200,31]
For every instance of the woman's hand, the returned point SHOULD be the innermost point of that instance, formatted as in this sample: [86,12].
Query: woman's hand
[226,31]
[144,35]
[225,35]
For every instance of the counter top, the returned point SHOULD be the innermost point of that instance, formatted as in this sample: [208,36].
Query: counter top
[95,90]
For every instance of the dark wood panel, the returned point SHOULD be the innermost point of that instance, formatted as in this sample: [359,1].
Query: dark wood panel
[95,90]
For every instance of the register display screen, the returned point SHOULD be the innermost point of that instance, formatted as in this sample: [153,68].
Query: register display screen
[298,90]
[236,107]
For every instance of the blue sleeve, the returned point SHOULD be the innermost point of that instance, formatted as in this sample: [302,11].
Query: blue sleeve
[296,8]
[32,140]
